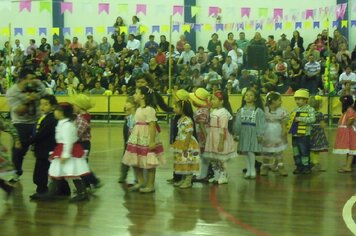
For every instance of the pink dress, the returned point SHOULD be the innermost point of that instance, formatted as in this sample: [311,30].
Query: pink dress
[219,120]
[201,115]
[137,153]
[345,142]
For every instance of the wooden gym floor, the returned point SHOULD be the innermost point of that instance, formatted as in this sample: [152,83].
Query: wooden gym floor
[317,204]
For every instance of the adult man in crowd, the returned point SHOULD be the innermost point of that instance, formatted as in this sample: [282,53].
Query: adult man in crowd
[312,75]
[23,99]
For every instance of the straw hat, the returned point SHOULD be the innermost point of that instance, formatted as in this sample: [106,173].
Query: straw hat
[181,95]
[301,93]
[200,97]
[82,101]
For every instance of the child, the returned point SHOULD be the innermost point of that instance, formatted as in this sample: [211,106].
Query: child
[43,142]
[185,146]
[130,109]
[6,168]
[144,148]
[220,146]
[200,99]
[179,95]
[346,134]
[275,135]
[249,127]
[81,104]
[299,126]
[318,140]
[68,158]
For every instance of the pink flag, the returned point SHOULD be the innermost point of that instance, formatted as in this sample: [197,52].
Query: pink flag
[178,9]
[213,11]
[309,13]
[245,11]
[66,6]
[278,13]
[103,7]
[25,4]
[141,8]
[340,10]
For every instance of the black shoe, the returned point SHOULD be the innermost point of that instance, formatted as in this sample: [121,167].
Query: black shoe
[258,166]
[298,171]
[306,170]
[244,170]
[37,196]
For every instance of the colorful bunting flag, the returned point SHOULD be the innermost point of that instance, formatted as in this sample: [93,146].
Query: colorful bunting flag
[132,29]
[340,10]
[55,31]
[25,4]
[178,9]
[307,24]
[262,12]
[186,28]
[66,30]
[155,28]
[89,30]
[197,27]
[100,29]
[207,27]
[31,31]
[143,29]
[344,23]
[110,29]
[66,6]
[175,28]
[141,8]
[124,29]
[18,31]
[165,28]
[195,10]
[219,27]
[245,11]
[123,8]
[316,24]
[353,23]
[42,30]
[288,25]
[78,30]
[278,14]
[298,25]
[214,11]
[309,14]
[5,31]
[335,24]
[45,6]
[103,7]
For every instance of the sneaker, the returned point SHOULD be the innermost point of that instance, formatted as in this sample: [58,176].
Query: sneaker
[222,179]
[79,198]
[98,184]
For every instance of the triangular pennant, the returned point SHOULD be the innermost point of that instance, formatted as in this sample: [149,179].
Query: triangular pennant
[195,10]
[55,31]
[42,30]
[18,31]
[45,6]
[31,31]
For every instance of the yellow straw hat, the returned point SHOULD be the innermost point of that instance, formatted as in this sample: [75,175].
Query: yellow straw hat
[181,95]
[200,97]
[82,101]
[301,93]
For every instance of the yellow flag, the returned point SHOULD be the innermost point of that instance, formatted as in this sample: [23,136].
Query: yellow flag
[5,31]
[263,12]
[326,24]
[288,25]
[248,26]
[195,10]
[186,28]
[31,31]
[100,29]
[164,28]
[123,8]
[307,25]
[143,29]
[123,29]
[207,27]
[269,26]
[55,30]
[344,23]
[79,30]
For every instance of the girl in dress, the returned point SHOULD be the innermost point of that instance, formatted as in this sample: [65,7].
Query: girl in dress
[185,146]
[144,149]
[275,136]
[6,169]
[220,146]
[345,141]
[68,158]
[249,128]
[130,109]
[200,99]
[318,140]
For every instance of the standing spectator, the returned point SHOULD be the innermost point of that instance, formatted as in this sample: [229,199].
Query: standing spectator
[164,45]
[213,42]
[282,43]
[312,75]
[45,47]
[297,44]
[338,40]
[23,99]
[136,23]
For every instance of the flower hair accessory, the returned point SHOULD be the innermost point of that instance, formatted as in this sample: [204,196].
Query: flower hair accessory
[318,97]
[149,90]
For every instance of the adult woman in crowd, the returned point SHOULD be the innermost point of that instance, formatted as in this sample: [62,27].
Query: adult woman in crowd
[297,44]
[229,42]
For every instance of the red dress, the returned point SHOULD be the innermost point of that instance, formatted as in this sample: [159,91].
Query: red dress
[345,142]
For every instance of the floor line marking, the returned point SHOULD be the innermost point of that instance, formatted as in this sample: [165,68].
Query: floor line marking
[347,214]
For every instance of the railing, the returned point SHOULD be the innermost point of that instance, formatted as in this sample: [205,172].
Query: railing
[114,105]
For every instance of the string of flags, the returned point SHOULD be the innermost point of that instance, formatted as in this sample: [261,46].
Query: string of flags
[179,28]
[338,11]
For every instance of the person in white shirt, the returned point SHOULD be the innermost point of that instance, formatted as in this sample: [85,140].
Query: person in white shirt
[229,67]
[133,43]
[236,54]
[348,76]
[18,45]
[186,55]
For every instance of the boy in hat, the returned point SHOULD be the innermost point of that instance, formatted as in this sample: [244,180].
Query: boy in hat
[300,126]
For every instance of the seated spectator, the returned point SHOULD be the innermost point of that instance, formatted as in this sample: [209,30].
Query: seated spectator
[112,56]
[45,47]
[82,89]
[183,81]
[91,44]
[212,78]
[215,66]
[348,77]
[236,55]
[228,68]
[288,54]
[72,79]
[152,45]
[202,58]
[61,89]
[111,90]
[31,46]
[311,50]
[146,55]
[229,89]
[104,46]
[319,43]
[194,64]
[75,44]
[133,43]
[119,44]
[163,45]
[197,79]
[186,55]
[97,89]
[312,75]
[245,79]
[281,68]
[269,81]
[59,67]
[271,45]
[213,42]
[219,55]
[180,43]
[155,69]
[175,55]
[160,57]
[134,57]
[50,84]
[258,40]
[229,42]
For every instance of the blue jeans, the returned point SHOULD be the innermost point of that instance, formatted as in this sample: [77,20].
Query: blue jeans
[301,151]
